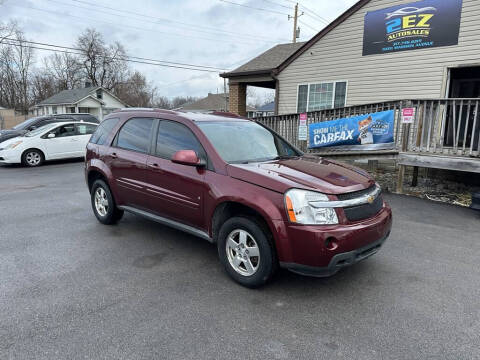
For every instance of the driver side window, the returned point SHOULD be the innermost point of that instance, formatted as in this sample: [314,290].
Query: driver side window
[64,131]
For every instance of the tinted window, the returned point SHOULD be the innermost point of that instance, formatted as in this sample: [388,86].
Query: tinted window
[103,130]
[135,135]
[243,141]
[26,124]
[85,129]
[64,131]
[173,136]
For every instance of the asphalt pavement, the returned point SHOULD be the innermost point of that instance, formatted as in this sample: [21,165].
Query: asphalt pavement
[71,288]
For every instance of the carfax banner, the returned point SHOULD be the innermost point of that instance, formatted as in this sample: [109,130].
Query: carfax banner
[366,131]
[419,25]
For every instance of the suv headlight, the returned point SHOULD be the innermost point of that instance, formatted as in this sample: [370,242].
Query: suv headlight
[300,210]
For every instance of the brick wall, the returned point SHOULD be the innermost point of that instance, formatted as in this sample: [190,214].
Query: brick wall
[238,99]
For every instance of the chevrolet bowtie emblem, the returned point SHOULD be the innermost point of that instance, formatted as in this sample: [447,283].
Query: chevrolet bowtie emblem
[370,199]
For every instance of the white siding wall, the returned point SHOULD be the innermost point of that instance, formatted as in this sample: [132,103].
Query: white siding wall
[402,75]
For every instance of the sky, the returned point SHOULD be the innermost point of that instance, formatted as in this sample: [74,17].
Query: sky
[214,33]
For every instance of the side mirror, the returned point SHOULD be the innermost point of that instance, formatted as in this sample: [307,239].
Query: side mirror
[187,157]
[51,135]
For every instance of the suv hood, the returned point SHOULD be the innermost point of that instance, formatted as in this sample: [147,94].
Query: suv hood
[305,172]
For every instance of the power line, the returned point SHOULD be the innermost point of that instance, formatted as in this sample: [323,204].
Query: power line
[309,11]
[254,8]
[158,19]
[278,4]
[58,49]
[321,18]
[83,19]
[129,56]
[307,25]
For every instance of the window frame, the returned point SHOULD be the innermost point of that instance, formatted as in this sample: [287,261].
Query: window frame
[308,84]
[149,150]
[84,124]
[155,137]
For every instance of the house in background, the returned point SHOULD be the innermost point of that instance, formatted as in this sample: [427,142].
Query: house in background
[266,110]
[213,102]
[93,100]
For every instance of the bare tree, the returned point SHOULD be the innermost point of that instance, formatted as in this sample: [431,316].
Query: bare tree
[65,70]
[135,91]
[6,30]
[16,60]
[104,65]
[162,102]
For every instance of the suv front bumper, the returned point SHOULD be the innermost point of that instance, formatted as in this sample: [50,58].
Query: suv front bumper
[304,248]
[338,261]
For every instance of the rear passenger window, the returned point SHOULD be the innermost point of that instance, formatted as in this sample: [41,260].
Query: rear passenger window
[85,129]
[103,130]
[173,136]
[135,135]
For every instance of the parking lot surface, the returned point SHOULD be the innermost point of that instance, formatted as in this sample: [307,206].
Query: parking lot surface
[73,288]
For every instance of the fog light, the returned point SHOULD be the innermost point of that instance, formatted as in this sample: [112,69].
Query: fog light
[331,244]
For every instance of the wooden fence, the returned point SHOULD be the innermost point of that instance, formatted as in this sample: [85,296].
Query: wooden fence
[442,126]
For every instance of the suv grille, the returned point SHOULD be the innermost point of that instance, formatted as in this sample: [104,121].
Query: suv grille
[364,211]
[355,194]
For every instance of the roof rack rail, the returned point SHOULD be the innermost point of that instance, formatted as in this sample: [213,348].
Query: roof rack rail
[143,109]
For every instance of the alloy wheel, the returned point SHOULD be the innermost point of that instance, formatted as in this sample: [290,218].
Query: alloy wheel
[101,201]
[33,158]
[242,252]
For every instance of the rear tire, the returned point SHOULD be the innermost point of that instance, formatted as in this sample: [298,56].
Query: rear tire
[103,204]
[33,158]
[246,252]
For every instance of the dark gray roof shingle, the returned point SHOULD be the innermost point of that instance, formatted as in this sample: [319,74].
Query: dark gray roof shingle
[270,59]
[68,96]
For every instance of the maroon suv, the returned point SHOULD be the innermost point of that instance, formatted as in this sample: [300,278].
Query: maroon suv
[238,184]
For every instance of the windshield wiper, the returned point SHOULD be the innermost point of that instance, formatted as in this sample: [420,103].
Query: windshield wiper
[284,157]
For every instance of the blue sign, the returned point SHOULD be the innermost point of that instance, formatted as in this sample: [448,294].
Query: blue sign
[419,25]
[364,130]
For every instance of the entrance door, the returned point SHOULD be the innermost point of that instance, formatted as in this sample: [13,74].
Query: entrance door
[176,191]
[464,84]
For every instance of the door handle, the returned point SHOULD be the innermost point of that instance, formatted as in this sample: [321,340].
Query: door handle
[153,165]
[114,155]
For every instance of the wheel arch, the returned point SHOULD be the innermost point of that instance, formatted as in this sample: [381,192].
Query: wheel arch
[230,208]
[97,171]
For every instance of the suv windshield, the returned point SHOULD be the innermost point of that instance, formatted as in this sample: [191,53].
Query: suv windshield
[245,141]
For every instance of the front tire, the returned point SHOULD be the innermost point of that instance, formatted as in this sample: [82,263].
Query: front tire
[246,252]
[33,158]
[103,204]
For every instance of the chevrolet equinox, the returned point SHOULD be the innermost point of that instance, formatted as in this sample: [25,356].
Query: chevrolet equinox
[239,185]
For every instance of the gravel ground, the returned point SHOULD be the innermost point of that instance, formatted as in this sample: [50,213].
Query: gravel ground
[71,288]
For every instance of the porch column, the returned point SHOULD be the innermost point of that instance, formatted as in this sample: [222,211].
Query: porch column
[238,99]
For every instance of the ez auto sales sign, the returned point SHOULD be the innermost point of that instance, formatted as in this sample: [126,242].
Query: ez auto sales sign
[419,25]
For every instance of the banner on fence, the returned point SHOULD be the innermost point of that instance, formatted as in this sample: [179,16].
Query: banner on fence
[369,131]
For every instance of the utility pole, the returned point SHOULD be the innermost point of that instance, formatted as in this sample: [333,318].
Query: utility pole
[295,17]
[225,94]
[295,20]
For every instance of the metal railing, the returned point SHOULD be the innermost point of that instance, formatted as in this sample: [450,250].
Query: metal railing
[441,126]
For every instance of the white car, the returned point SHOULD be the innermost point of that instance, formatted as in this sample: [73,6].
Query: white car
[61,140]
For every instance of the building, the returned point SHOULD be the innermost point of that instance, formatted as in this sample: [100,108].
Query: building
[213,102]
[266,110]
[378,50]
[93,100]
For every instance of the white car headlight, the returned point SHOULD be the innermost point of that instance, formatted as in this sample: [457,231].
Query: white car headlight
[13,145]
[300,210]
